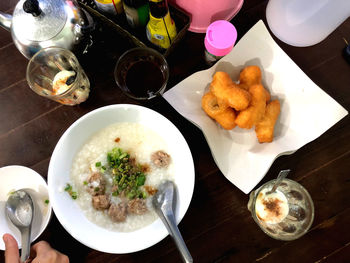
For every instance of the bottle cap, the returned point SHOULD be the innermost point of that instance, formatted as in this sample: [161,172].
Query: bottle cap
[220,38]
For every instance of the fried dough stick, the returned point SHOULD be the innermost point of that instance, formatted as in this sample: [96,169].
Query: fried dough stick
[226,90]
[227,119]
[219,111]
[264,129]
[249,76]
[247,118]
[211,105]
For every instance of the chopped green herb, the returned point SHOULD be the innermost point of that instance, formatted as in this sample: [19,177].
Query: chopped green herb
[74,195]
[141,180]
[97,189]
[11,192]
[116,157]
[131,194]
[121,182]
[47,201]
[85,183]
[123,155]
[68,188]
[143,195]
[127,175]
[70,191]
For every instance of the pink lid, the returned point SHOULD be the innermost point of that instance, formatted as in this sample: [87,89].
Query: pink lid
[220,38]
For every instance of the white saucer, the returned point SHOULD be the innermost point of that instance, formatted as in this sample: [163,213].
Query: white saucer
[17,177]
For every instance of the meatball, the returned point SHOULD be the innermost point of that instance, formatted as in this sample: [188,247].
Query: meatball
[100,202]
[96,184]
[137,206]
[117,212]
[160,159]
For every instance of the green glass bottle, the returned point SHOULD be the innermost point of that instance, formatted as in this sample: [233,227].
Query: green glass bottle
[136,12]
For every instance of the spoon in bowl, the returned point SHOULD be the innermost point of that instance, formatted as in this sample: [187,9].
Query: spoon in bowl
[164,202]
[20,210]
[282,174]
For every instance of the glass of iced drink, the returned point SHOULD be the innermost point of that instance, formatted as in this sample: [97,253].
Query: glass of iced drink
[285,214]
[56,74]
[142,73]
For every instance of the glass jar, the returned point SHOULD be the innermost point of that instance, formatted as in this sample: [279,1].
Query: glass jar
[285,214]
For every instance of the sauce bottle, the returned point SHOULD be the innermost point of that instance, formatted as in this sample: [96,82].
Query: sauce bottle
[136,12]
[161,29]
[113,7]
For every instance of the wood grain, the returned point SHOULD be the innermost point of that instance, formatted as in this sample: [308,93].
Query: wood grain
[217,226]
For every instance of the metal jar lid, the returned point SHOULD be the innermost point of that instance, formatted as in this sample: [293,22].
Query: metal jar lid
[39,20]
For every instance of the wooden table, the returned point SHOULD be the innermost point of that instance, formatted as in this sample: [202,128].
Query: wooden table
[217,226]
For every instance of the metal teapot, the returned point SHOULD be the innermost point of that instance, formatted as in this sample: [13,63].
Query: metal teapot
[37,24]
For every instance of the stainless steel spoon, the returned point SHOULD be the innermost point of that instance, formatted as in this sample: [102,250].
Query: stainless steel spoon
[20,210]
[164,202]
[282,174]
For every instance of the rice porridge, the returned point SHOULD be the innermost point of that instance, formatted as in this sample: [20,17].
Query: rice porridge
[116,173]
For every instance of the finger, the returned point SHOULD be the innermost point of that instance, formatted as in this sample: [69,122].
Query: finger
[40,247]
[43,252]
[11,249]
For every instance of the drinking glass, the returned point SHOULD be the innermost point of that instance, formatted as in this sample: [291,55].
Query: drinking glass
[56,74]
[142,73]
[288,212]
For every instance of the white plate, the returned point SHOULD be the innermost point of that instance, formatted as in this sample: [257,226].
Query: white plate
[17,177]
[69,213]
[306,110]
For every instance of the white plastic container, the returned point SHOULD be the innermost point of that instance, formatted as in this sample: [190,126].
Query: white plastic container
[304,23]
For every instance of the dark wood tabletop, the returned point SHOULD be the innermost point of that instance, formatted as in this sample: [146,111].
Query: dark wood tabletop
[217,226]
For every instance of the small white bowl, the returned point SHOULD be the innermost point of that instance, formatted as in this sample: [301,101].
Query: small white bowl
[15,177]
[68,211]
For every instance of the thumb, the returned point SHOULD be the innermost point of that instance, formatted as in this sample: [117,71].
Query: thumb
[11,249]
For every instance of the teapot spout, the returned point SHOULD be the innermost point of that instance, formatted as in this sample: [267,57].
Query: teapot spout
[5,21]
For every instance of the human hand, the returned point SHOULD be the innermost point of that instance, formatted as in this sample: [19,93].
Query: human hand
[11,249]
[41,252]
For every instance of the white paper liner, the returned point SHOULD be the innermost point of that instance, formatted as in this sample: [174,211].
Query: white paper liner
[306,110]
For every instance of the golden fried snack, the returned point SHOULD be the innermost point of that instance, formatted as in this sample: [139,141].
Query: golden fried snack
[221,78]
[247,118]
[246,87]
[219,111]
[243,86]
[264,129]
[250,75]
[226,118]
[211,105]
[267,94]
[226,90]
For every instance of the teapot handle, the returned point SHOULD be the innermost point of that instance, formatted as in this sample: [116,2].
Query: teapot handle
[89,24]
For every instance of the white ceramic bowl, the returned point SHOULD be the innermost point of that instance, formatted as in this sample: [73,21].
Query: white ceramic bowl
[13,178]
[69,213]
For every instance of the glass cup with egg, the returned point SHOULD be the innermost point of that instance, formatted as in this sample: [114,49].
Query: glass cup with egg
[285,214]
[56,74]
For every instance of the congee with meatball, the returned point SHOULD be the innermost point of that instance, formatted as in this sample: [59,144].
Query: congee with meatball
[116,173]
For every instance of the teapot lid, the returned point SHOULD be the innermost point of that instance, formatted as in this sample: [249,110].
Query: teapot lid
[39,20]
